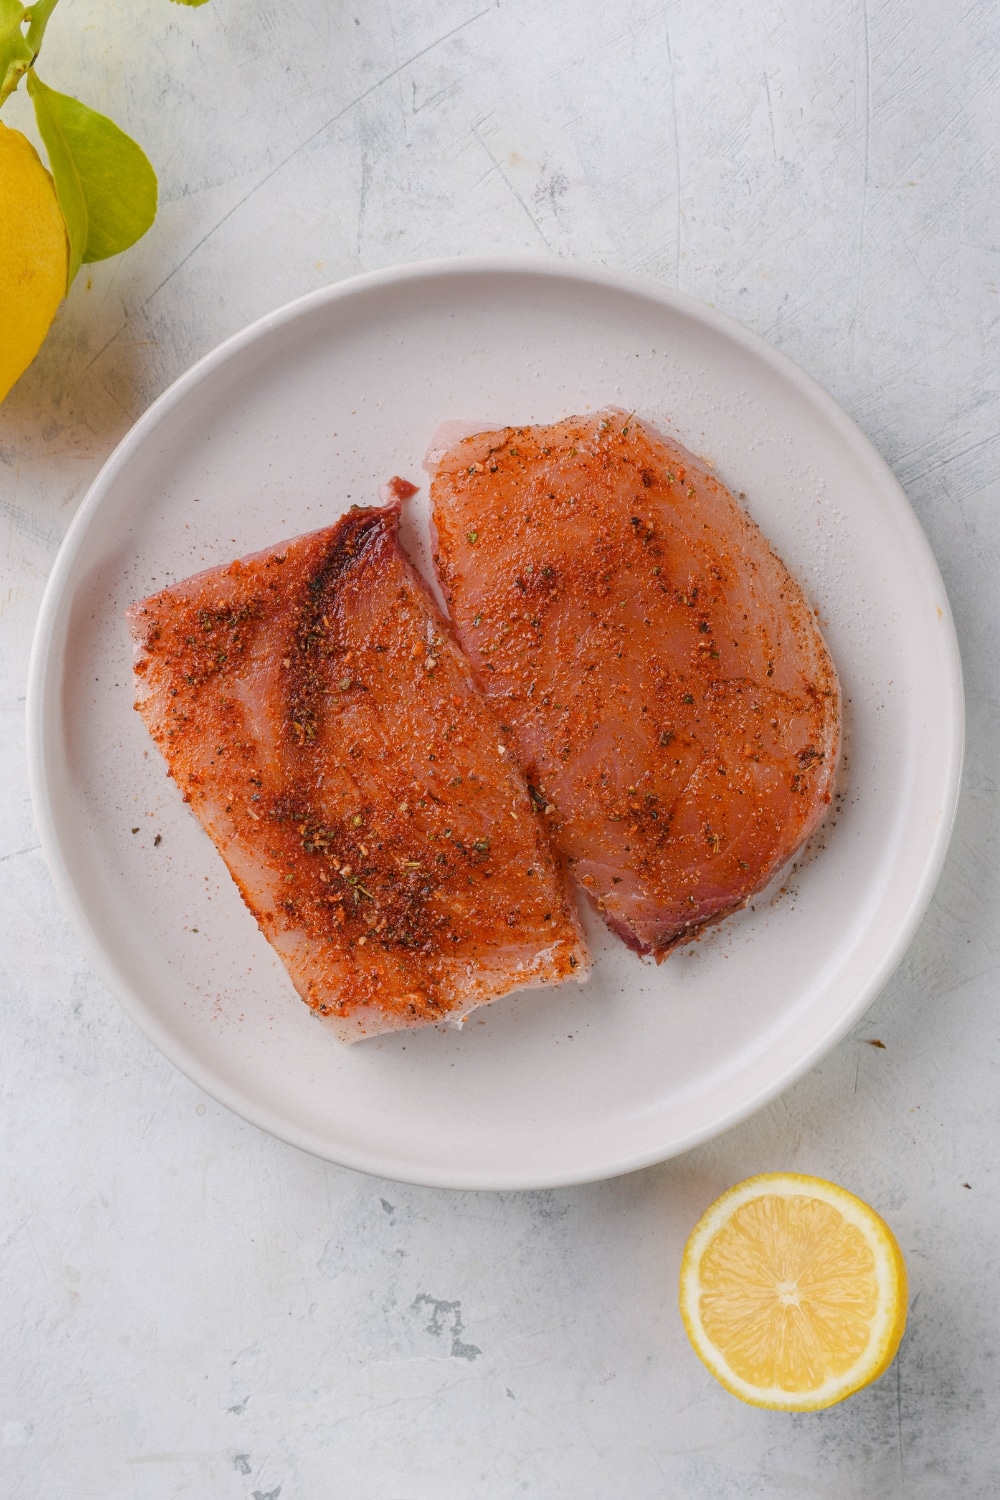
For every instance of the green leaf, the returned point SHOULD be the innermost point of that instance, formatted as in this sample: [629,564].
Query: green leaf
[69,189]
[104,182]
[190,2]
[15,53]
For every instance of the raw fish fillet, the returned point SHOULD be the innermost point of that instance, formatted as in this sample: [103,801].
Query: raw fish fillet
[665,684]
[317,715]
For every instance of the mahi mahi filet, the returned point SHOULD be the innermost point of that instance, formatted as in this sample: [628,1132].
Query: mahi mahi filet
[317,715]
[663,678]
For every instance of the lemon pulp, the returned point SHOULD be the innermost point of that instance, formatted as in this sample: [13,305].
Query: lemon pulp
[793,1292]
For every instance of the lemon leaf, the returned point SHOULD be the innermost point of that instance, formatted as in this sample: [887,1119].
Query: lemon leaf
[104,181]
[15,53]
[69,188]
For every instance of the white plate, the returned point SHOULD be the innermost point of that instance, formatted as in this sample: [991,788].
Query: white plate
[276,433]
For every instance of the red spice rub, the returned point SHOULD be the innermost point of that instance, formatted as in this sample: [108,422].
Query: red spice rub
[670,696]
[316,713]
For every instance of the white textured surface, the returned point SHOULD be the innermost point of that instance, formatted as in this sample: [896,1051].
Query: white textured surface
[187,1306]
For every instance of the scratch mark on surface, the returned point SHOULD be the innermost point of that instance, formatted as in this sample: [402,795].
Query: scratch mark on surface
[677,162]
[18,852]
[402,100]
[899,1423]
[944,128]
[366,178]
[512,190]
[188,1456]
[770,116]
[28,525]
[864,187]
[432,99]
[31,1241]
[117,334]
[119,403]
[942,463]
[302,146]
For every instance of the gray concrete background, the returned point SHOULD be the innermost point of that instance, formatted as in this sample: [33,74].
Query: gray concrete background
[189,1308]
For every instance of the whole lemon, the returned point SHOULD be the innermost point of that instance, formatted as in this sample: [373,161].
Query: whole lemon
[34,255]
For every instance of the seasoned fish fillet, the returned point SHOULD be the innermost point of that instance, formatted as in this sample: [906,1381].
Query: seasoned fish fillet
[317,715]
[666,687]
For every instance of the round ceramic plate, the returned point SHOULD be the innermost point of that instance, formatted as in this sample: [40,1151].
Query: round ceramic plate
[279,431]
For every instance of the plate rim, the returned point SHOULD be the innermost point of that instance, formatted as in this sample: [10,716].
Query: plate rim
[48,648]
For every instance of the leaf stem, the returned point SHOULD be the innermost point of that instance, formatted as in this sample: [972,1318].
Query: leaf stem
[15,54]
[37,17]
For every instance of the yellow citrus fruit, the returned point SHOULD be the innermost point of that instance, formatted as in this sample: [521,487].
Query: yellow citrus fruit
[793,1292]
[34,255]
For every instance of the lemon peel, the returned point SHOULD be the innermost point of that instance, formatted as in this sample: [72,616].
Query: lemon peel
[793,1292]
[34,255]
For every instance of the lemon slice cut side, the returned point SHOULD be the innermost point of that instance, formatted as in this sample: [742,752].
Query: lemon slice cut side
[793,1292]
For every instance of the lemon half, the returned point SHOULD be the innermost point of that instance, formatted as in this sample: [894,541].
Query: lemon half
[793,1292]
[34,255]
